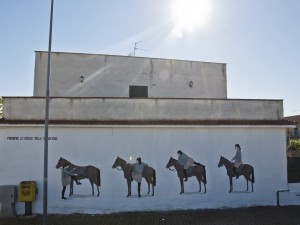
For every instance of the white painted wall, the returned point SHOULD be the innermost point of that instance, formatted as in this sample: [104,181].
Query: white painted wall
[262,147]
[111,76]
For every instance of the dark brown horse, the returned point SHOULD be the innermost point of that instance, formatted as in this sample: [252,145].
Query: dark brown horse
[149,174]
[90,172]
[198,171]
[247,171]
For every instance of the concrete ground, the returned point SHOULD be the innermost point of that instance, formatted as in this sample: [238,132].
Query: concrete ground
[287,215]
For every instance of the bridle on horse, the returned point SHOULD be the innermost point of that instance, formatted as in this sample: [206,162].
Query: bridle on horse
[173,170]
[118,169]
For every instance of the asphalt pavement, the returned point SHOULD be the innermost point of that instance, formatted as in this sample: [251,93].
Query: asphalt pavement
[285,215]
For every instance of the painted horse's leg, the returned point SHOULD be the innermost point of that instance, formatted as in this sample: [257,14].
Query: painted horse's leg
[152,189]
[204,187]
[129,187]
[230,183]
[200,186]
[247,183]
[199,182]
[148,188]
[92,187]
[71,188]
[181,185]
[98,190]
[150,182]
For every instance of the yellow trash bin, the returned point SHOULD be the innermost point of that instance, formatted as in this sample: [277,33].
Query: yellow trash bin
[27,191]
[27,194]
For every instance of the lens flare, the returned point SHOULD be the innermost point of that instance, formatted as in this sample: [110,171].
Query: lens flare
[189,15]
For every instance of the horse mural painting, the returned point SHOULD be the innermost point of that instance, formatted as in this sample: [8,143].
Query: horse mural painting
[149,174]
[246,170]
[83,172]
[198,171]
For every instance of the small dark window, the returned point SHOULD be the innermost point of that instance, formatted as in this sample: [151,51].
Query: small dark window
[138,91]
[293,169]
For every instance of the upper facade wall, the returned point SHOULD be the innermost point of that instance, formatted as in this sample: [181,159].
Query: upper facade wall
[150,109]
[111,76]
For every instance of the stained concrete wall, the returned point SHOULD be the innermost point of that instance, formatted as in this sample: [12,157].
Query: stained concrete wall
[111,76]
[21,150]
[23,108]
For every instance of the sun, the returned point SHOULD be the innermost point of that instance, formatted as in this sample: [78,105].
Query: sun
[189,15]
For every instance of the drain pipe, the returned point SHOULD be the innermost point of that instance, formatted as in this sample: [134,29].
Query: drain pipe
[277,194]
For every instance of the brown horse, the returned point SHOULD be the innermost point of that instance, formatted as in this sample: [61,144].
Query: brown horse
[90,172]
[198,171]
[149,174]
[247,171]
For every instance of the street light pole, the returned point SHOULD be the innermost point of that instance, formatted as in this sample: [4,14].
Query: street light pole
[45,184]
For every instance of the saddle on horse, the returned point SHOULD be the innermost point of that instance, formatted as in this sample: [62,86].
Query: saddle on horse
[238,170]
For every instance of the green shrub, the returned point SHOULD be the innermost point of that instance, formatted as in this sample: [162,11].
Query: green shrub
[294,145]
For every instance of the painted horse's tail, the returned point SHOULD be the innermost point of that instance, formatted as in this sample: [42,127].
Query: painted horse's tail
[98,177]
[204,175]
[252,180]
[154,177]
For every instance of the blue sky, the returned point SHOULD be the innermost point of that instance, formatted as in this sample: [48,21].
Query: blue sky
[258,39]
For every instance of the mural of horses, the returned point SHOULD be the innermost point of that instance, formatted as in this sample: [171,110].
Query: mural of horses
[247,171]
[198,171]
[83,172]
[149,174]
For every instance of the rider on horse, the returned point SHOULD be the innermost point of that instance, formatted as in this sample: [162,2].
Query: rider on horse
[186,162]
[237,160]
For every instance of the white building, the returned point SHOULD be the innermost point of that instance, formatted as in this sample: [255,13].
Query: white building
[105,106]
[90,75]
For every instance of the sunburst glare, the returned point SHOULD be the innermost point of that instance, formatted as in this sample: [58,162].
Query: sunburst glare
[189,15]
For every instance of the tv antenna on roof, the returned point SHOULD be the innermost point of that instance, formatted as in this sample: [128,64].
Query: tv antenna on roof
[135,48]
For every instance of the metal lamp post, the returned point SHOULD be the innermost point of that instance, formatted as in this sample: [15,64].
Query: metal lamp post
[45,183]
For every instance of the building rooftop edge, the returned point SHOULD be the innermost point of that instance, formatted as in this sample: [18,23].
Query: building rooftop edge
[58,97]
[143,57]
[295,118]
[152,122]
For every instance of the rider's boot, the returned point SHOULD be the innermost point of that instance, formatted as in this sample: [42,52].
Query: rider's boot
[139,189]
[76,180]
[236,173]
[185,175]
